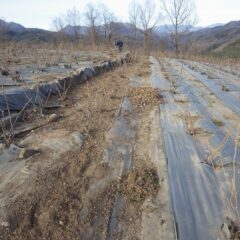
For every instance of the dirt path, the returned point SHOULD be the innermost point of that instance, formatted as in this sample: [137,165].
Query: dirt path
[100,171]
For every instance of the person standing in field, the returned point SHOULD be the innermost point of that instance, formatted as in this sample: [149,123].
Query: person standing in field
[119,44]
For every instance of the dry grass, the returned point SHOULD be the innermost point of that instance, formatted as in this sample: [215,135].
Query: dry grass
[145,96]
[139,184]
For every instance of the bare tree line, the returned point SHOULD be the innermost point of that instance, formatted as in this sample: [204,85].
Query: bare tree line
[181,14]
[2,30]
[95,24]
[178,15]
[143,18]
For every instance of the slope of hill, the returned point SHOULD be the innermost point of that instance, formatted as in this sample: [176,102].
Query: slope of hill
[12,26]
[215,25]
[163,30]
[218,40]
[16,32]
[33,35]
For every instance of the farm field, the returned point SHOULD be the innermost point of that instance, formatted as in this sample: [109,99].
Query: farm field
[200,122]
[120,120]
[147,150]
[21,66]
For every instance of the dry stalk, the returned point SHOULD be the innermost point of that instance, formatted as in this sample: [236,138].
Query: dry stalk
[232,200]
[190,121]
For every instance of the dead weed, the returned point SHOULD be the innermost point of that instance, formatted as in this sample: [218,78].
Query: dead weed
[145,96]
[138,184]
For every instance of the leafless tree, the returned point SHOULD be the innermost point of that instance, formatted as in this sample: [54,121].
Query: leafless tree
[107,17]
[149,17]
[73,18]
[2,29]
[134,14]
[181,15]
[93,19]
[58,23]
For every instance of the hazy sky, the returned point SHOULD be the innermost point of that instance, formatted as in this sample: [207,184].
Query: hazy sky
[39,13]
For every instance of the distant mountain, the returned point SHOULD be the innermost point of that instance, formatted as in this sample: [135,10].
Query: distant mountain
[215,25]
[72,30]
[15,27]
[163,30]
[216,39]
[16,32]
[34,35]
[12,27]
[122,29]
[117,29]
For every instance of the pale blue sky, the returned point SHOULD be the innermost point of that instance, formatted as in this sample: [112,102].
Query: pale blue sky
[33,13]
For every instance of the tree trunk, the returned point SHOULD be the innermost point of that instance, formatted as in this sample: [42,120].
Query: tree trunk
[134,41]
[93,37]
[146,41]
[176,41]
